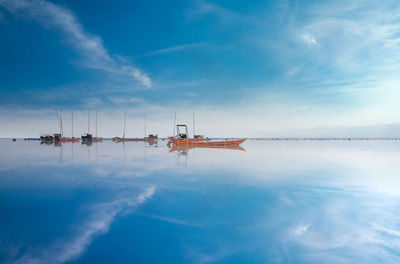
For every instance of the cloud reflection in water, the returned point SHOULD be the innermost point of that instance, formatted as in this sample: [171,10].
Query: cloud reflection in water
[278,202]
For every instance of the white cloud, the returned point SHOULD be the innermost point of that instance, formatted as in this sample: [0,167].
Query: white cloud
[93,102]
[141,77]
[201,8]
[294,71]
[88,45]
[300,230]
[309,39]
[173,49]
[136,100]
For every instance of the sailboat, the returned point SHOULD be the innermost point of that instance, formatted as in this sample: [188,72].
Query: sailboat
[58,137]
[123,138]
[51,138]
[67,139]
[87,138]
[151,138]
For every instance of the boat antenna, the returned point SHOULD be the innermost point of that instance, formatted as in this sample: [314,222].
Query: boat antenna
[144,124]
[88,121]
[123,136]
[58,119]
[96,123]
[193,126]
[61,126]
[72,122]
[174,125]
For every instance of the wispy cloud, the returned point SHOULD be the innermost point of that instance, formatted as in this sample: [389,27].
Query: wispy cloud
[201,8]
[357,37]
[174,49]
[125,99]
[309,39]
[90,47]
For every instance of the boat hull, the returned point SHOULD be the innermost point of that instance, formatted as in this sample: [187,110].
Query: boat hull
[146,139]
[204,143]
[187,148]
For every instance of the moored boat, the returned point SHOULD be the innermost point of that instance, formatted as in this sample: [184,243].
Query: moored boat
[182,139]
[184,147]
[47,138]
[206,143]
[87,137]
[151,138]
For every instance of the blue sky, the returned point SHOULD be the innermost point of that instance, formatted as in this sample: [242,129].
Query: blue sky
[261,66]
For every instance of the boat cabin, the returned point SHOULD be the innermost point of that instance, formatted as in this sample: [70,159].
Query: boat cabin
[182,131]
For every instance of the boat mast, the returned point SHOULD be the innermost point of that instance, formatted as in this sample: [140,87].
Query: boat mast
[72,122]
[61,127]
[193,126]
[96,123]
[174,125]
[145,125]
[88,121]
[124,124]
[58,119]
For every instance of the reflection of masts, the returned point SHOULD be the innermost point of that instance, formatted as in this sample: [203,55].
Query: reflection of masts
[72,157]
[144,155]
[61,148]
[123,145]
[88,158]
[96,152]
[183,154]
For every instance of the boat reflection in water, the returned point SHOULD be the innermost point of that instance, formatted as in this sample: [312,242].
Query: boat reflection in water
[278,201]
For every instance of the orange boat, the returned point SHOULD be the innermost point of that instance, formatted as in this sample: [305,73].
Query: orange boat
[190,142]
[187,147]
[181,139]
[69,139]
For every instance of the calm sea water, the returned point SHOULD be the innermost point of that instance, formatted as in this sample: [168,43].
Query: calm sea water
[275,202]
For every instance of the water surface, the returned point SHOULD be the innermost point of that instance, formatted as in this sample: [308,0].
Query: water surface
[275,202]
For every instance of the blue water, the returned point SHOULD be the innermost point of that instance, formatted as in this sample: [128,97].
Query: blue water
[275,202]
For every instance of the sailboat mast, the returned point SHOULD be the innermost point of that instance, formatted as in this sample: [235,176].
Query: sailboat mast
[88,121]
[72,122]
[96,123]
[124,124]
[174,125]
[193,126]
[61,127]
[145,125]
[58,119]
